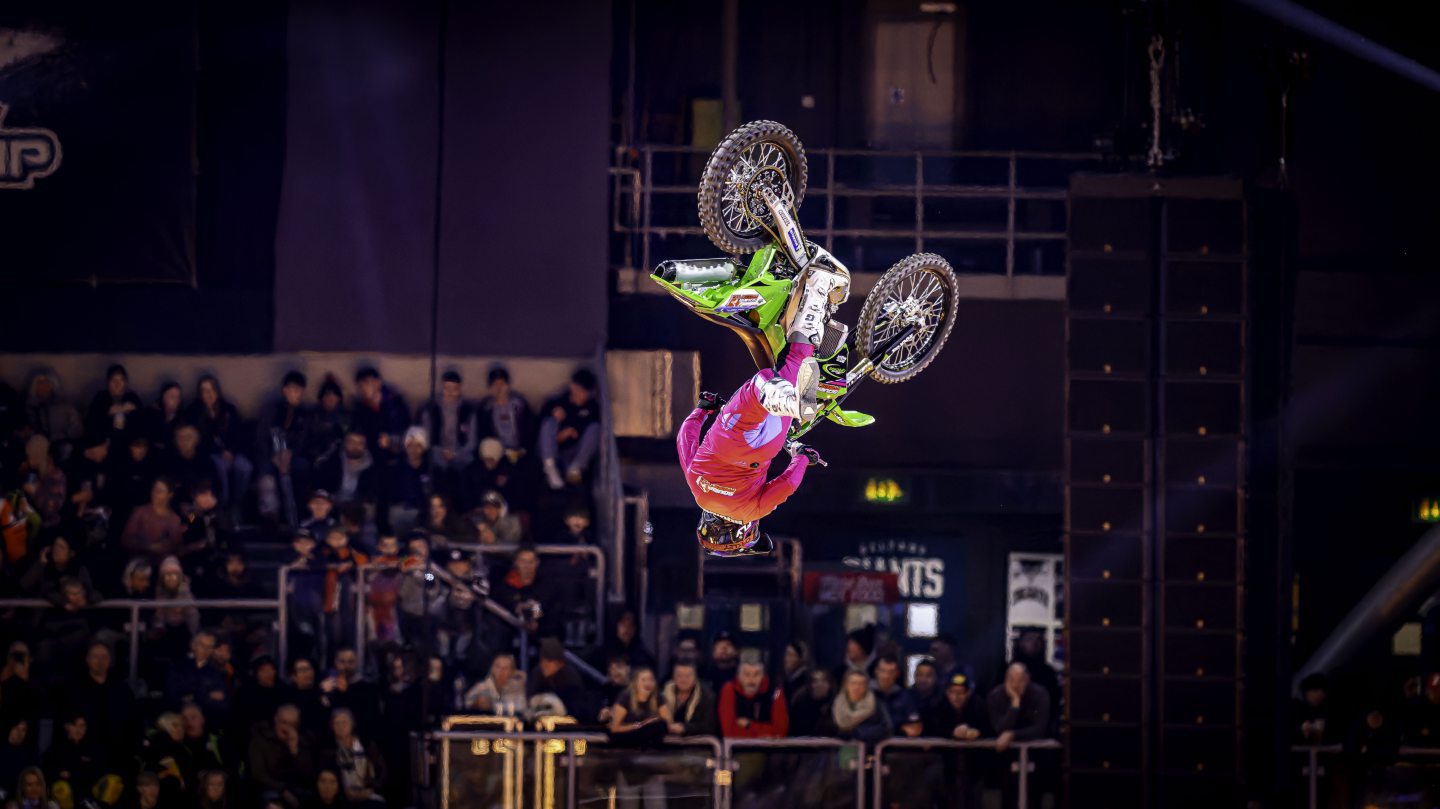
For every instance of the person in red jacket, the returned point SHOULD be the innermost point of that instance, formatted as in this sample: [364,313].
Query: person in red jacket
[748,708]
[725,463]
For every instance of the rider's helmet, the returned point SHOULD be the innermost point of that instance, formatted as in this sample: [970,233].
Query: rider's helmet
[722,536]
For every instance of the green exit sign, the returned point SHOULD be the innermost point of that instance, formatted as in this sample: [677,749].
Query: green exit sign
[1427,509]
[886,491]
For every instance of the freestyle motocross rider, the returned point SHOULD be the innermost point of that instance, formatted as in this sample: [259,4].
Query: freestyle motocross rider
[726,464]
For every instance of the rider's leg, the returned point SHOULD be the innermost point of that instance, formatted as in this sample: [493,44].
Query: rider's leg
[822,288]
[791,391]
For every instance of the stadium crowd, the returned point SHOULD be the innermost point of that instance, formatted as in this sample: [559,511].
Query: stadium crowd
[163,503]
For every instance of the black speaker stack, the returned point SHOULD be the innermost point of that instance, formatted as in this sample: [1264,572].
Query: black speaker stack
[1154,491]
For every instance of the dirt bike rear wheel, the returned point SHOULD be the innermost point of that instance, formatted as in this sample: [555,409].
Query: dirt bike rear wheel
[760,152]
[920,289]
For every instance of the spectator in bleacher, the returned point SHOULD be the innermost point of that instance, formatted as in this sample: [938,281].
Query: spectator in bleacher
[363,532]
[76,756]
[135,473]
[197,680]
[114,412]
[1019,709]
[282,758]
[943,650]
[810,711]
[49,415]
[451,428]
[21,524]
[502,691]
[209,532]
[162,753]
[160,420]
[92,475]
[522,586]
[493,471]
[303,691]
[1030,650]
[284,435]
[138,580]
[66,627]
[858,712]
[188,465]
[899,705]
[204,750]
[617,679]
[494,523]
[457,628]
[442,520]
[155,531]
[213,790]
[1314,725]
[554,675]
[748,707]
[43,481]
[347,689]
[178,624]
[231,579]
[724,661]
[859,652]
[101,695]
[505,415]
[352,474]
[623,640]
[382,591]
[327,793]
[380,413]
[419,593]
[56,562]
[321,517]
[959,715]
[570,432]
[356,760]
[258,696]
[147,794]
[686,704]
[797,666]
[636,718]
[17,752]
[576,527]
[30,791]
[407,484]
[926,690]
[332,420]
[222,438]
[341,582]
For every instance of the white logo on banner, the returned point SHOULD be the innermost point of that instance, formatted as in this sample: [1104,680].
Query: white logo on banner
[919,575]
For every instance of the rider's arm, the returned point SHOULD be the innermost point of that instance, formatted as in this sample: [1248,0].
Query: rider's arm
[783,485]
[688,439]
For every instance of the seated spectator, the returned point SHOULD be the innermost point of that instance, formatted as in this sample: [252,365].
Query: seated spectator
[521,591]
[204,751]
[494,523]
[925,690]
[135,474]
[810,712]
[570,432]
[188,465]
[407,484]
[138,580]
[362,530]
[176,624]
[197,680]
[305,591]
[261,695]
[352,474]
[17,751]
[284,436]
[505,415]
[418,594]
[320,514]
[92,474]
[18,696]
[43,481]
[359,764]
[112,412]
[958,716]
[450,426]
[459,619]
[442,520]
[748,708]
[623,640]
[1030,650]
[943,650]
[617,679]
[213,790]
[49,415]
[155,531]
[21,528]
[282,759]
[76,757]
[635,717]
[382,591]
[859,653]
[686,704]
[30,791]
[380,413]
[502,692]
[554,675]
[208,532]
[231,579]
[106,702]
[724,661]
[1019,709]
[796,665]
[899,706]
[160,420]
[332,420]
[222,438]
[576,521]
[858,712]
[493,471]
[148,794]
[340,562]
[327,793]
[163,753]
[305,696]
[66,628]
[1312,713]
[348,690]
[56,563]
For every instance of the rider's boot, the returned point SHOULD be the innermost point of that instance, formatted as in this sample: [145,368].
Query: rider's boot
[797,401]
[822,289]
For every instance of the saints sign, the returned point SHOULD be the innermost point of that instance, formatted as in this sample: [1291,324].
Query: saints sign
[26,154]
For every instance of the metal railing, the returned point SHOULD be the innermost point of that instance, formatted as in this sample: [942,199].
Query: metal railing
[1313,769]
[1001,177]
[1022,767]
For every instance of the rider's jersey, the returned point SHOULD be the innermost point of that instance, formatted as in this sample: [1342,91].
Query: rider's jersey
[726,472]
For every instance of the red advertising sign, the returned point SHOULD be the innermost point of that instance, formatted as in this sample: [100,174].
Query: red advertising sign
[851,588]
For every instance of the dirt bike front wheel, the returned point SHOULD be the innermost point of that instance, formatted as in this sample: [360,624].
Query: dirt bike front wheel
[918,292]
[760,154]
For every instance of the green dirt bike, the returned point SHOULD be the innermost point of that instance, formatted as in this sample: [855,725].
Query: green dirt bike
[752,186]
